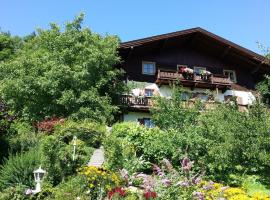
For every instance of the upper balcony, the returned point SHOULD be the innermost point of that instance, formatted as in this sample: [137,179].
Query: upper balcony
[210,81]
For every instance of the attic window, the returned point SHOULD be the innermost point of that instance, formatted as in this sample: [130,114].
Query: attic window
[148,68]
[231,75]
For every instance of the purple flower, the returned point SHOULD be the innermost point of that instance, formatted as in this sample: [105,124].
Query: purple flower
[186,164]
[209,186]
[157,170]
[124,173]
[198,195]
[183,183]
[166,182]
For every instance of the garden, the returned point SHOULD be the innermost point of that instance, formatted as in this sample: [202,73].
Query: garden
[57,92]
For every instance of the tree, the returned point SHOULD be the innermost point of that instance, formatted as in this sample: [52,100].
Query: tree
[66,73]
[174,112]
[8,45]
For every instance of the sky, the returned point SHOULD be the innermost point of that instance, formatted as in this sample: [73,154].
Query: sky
[244,22]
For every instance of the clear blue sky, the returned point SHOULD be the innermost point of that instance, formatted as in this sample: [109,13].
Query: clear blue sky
[242,21]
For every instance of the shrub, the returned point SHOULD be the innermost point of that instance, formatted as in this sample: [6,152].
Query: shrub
[22,137]
[88,131]
[73,188]
[100,180]
[14,193]
[57,157]
[18,169]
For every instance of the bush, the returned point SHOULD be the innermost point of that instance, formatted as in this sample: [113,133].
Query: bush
[73,188]
[22,137]
[14,193]
[57,157]
[18,169]
[89,132]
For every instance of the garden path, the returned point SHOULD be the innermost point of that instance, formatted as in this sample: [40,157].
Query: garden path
[97,158]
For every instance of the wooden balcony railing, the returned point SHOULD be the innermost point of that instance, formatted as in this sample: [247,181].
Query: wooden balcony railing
[211,81]
[135,102]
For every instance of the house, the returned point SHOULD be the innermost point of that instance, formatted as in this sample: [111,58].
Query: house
[201,61]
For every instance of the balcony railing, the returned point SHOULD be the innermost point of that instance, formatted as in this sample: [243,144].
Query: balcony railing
[210,81]
[135,102]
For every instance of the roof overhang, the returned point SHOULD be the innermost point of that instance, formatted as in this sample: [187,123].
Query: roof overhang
[252,57]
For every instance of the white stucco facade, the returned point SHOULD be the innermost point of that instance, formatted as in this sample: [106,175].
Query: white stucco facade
[244,98]
[134,116]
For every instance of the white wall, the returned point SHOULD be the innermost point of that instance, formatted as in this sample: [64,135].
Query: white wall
[245,98]
[134,116]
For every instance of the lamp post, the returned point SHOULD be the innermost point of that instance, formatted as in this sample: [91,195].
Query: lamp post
[38,175]
[74,143]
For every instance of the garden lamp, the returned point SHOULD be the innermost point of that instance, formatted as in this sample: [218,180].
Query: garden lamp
[74,143]
[38,174]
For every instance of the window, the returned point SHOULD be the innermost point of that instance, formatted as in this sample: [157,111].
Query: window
[149,92]
[199,70]
[146,122]
[231,74]
[184,96]
[149,68]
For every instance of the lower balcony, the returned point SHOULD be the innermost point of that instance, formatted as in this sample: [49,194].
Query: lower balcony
[192,80]
[131,102]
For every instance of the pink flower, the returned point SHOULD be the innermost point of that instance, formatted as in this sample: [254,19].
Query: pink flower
[186,164]
[166,182]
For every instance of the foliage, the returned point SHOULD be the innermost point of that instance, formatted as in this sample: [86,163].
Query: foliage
[14,193]
[88,131]
[18,169]
[57,157]
[264,88]
[21,137]
[173,112]
[68,73]
[100,180]
[8,45]
[73,188]
[47,125]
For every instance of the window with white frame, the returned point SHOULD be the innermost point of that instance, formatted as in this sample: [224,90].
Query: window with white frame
[231,75]
[199,70]
[148,68]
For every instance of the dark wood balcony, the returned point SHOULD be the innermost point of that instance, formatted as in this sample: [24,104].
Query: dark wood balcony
[135,102]
[192,80]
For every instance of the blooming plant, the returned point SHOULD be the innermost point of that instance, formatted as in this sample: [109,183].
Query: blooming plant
[118,191]
[101,180]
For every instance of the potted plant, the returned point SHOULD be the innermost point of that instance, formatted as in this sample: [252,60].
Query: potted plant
[205,75]
[187,73]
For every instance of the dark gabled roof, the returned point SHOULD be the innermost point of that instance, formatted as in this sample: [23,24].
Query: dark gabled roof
[245,52]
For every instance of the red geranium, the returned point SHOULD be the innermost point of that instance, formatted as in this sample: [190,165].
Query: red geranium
[120,191]
[150,195]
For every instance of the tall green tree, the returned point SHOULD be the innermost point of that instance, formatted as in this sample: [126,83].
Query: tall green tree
[8,45]
[67,73]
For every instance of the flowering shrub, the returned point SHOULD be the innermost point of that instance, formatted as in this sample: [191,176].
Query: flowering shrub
[48,124]
[100,180]
[117,192]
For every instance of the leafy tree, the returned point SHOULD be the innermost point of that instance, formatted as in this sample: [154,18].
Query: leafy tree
[174,112]
[63,73]
[8,45]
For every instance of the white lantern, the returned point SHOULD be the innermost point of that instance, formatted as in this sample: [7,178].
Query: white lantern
[38,174]
[74,143]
